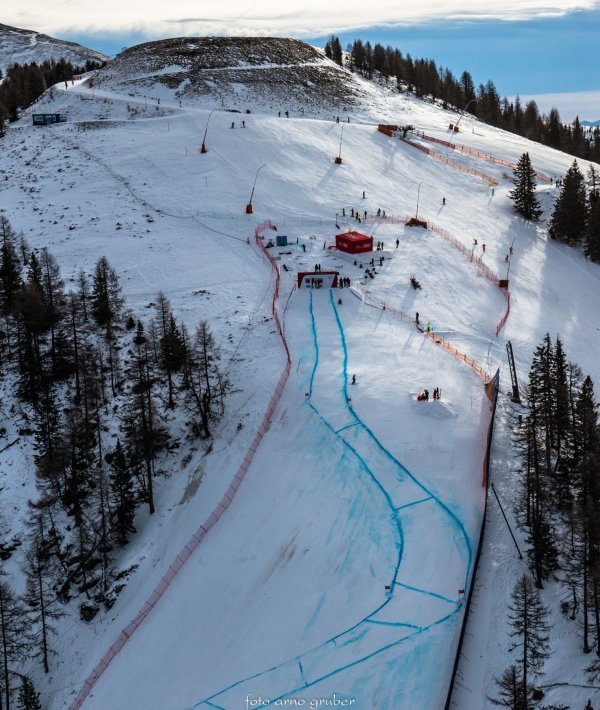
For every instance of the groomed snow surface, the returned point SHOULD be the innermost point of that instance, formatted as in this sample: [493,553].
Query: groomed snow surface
[336,573]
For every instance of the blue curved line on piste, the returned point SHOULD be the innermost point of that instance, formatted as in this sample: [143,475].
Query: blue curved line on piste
[431,496]
[423,487]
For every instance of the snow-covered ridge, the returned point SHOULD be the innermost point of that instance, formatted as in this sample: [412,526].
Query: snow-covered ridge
[19,46]
[245,69]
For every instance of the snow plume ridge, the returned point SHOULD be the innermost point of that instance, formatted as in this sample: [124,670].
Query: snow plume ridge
[333,656]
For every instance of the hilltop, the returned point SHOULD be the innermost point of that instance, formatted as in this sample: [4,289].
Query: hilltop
[20,46]
[230,70]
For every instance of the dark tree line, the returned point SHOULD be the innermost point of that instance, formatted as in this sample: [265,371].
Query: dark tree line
[424,78]
[25,83]
[559,503]
[94,385]
[576,215]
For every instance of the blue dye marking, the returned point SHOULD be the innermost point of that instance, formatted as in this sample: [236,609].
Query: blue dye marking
[393,623]
[444,507]
[302,673]
[415,502]
[430,594]
[417,630]
[346,427]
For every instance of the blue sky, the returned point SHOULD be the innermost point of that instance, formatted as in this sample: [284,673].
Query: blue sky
[527,47]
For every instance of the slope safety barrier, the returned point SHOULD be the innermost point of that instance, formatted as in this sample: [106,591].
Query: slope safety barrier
[463,249]
[178,563]
[394,132]
[491,388]
[475,153]
[377,302]
[389,478]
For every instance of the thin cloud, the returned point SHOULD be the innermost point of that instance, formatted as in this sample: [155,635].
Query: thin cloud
[265,17]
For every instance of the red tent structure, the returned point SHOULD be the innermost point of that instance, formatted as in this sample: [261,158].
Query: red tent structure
[353,242]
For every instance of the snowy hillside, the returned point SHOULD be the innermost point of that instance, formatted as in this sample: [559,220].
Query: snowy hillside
[18,46]
[339,568]
[233,70]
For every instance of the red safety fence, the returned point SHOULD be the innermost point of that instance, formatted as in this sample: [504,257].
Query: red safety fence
[210,522]
[377,302]
[459,355]
[463,249]
[476,153]
[394,132]
[504,318]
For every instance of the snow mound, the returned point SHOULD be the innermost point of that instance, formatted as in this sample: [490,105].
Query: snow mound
[240,70]
[433,409]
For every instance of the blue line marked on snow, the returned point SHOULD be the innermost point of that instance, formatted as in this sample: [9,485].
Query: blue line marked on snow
[302,671]
[394,623]
[346,427]
[415,502]
[447,510]
[417,630]
[424,591]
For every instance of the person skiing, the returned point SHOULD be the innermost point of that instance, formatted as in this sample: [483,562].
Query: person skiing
[429,327]
[353,379]
[483,247]
[397,243]
[426,393]
[233,124]
[417,317]
[443,200]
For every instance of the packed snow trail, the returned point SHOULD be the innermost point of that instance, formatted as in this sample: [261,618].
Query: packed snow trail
[417,600]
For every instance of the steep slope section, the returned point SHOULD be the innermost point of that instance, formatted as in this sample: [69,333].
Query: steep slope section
[18,46]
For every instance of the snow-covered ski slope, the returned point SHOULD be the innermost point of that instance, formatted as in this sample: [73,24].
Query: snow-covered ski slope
[286,597]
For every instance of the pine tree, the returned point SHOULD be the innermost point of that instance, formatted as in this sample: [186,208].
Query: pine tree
[592,238]
[15,636]
[510,687]
[525,200]
[10,274]
[28,698]
[106,293]
[528,619]
[207,384]
[569,218]
[123,497]
[40,597]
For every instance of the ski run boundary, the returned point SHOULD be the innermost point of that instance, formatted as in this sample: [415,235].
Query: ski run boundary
[183,556]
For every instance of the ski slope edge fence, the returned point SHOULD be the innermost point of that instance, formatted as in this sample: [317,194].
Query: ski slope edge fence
[176,566]
[491,389]
[396,131]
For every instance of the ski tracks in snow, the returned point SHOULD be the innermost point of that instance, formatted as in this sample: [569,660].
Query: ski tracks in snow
[417,596]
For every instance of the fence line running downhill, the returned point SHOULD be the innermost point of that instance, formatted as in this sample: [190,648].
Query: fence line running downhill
[463,249]
[377,302]
[476,153]
[176,566]
[394,132]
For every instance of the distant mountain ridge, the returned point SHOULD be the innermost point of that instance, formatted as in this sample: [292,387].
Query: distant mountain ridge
[20,46]
[590,123]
